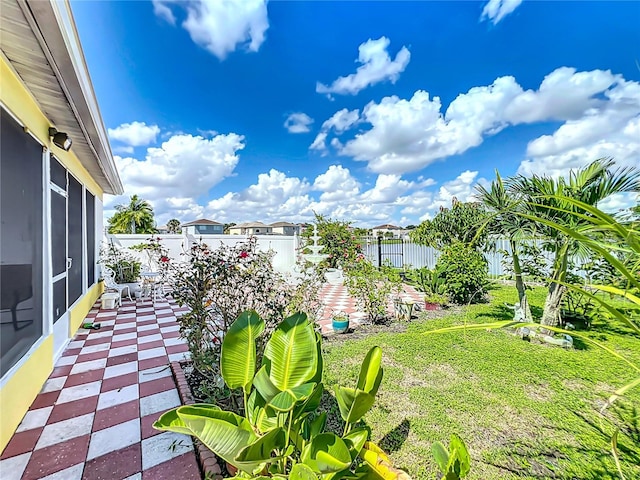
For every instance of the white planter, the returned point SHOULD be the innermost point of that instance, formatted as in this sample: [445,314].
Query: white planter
[333,276]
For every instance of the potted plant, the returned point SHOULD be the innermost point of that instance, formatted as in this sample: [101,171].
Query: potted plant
[431,283]
[434,301]
[125,266]
[340,322]
[281,434]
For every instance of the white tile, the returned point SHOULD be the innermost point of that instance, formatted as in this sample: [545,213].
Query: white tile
[114,352]
[171,328]
[106,323]
[68,360]
[12,468]
[95,348]
[164,320]
[124,326]
[88,366]
[114,438]
[79,391]
[142,318]
[100,334]
[65,430]
[179,357]
[149,338]
[174,341]
[108,313]
[34,419]
[71,473]
[124,336]
[118,396]
[154,373]
[163,447]
[122,369]
[126,315]
[161,311]
[145,310]
[151,353]
[75,344]
[54,384]
[143,328]
[135,476]
[159,402]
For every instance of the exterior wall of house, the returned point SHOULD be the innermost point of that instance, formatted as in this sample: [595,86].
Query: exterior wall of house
[22,382]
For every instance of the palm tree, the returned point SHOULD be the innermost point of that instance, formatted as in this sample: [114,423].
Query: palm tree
[136,217]
[173,225]
[502,205]
[543,199]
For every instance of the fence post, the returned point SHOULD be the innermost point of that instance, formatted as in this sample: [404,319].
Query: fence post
[379,251]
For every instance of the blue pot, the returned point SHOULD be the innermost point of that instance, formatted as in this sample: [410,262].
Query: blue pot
[340,326]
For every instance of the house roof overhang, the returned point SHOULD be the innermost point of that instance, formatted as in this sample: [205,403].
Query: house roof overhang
[40,41]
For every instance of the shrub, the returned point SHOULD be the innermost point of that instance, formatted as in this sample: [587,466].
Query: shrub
[464,272]
[338,240]
[217,285]
[124,264]
[370,288]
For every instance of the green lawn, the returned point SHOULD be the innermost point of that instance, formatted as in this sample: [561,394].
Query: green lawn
[525,410]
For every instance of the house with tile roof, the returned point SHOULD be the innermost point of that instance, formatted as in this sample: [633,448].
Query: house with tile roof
[251,228]
[203,226]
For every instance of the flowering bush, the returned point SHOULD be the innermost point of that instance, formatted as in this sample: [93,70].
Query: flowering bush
[125,266]
[370,288]
[339,242]
[157,254]
[217,285]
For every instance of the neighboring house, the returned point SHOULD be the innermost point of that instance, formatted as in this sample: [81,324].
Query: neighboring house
[388,230]
[250,228]
[203,227]
[50,197]
[162,229]
[285,228]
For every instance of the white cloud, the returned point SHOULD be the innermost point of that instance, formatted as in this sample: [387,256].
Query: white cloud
[135,134]
[124,149]
[319,142]
[597,108]
[496,10]
[340,121]
[336,184]
[298,123]
[376,67]
[220,26]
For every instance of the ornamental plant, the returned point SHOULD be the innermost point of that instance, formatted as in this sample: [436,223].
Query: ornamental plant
[370,288]
[464,273]
[338,240]
[125,265]
[157,254]
[217,285]
[281,435]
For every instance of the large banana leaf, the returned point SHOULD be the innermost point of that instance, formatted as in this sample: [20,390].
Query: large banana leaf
[353,403]
[259,415]
[291,354]
[260,451]
[238,358]
[225,433]
[171,422]
[371,371]
[380,464]
[300,471]
[327,453]
[264,385]
[355,440]
[287,400]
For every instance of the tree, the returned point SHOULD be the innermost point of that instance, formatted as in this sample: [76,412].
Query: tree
[543,199]
[173,226]
[339,242]
[136,217]
[227,226]
[463,222]
[503,206]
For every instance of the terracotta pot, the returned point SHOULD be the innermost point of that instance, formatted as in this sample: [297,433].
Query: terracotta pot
[431,306]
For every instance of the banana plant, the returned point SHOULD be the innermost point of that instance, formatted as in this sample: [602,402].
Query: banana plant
[454,463]
[280,434]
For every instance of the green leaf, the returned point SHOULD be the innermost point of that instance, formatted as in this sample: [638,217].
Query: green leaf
[264,385]
[459,460]
[353,403]
[287,400]
[440,455]
[171,422]
[225,433]
[300,471]
[355,440]
[371,371]
[260,451]
[238,357]
[291,354]
[327,453]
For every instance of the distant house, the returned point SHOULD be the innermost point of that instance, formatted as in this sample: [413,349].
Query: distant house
[285,228]
[203,227]
[388,230]
[251,228]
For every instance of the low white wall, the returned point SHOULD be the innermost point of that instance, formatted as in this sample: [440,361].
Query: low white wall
[285,247]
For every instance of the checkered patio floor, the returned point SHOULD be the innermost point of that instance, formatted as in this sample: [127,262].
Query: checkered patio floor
[92,419]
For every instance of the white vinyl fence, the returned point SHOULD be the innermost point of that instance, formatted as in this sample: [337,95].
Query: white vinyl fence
[285,247]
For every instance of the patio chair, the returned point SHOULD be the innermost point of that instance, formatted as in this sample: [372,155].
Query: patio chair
[110,283]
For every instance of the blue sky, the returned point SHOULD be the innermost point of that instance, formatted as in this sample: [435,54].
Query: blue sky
[372,112]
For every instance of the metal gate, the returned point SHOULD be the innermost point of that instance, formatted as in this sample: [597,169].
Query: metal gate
[391,252]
